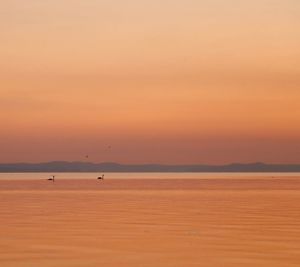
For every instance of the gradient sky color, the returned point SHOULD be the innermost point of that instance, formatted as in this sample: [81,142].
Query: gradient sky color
[212,81]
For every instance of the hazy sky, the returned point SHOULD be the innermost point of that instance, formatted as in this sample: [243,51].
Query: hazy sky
[211,81]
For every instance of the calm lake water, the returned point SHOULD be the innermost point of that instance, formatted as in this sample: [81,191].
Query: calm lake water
[135,175]
[129,220]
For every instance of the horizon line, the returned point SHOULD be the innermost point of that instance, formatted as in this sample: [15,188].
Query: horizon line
[165,164]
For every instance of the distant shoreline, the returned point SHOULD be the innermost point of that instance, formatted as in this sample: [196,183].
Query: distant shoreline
[64,166]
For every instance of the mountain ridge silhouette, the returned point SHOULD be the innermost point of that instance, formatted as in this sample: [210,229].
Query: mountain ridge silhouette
[78,166]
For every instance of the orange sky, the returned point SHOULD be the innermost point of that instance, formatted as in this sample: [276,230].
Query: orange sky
[189,81]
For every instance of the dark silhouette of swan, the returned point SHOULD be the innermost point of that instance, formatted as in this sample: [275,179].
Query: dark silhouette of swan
[101,177]
[51,178]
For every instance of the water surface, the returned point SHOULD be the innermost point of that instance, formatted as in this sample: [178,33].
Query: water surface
[211,222]
[144,175]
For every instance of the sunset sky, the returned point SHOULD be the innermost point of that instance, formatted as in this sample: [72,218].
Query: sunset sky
[211,81]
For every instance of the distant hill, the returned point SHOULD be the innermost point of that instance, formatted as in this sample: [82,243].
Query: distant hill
[64,166]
